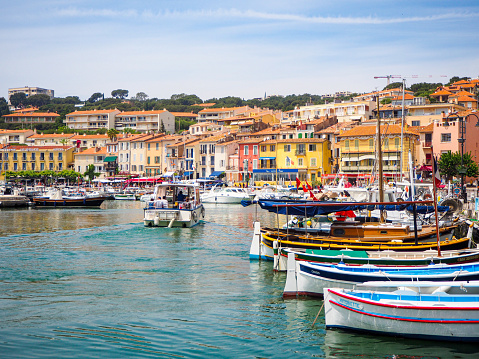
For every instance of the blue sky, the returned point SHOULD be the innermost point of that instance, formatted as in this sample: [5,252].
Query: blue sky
[233,48]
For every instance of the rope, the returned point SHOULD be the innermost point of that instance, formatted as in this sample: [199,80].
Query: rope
[317,315]
[384,274]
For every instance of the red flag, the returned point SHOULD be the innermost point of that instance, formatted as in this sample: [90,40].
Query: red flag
[298,183]
[309,187]
[305,190]
[312,196]
[437,176]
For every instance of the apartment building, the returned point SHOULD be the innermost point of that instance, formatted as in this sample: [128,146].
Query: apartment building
[93,156]
[15,136]
[91,120]
[30,91]
[30,118]
[157,154]
[51,139]
[358,150]
[36,158]
[344,112]
[146,121]
[216,114]
[87,141]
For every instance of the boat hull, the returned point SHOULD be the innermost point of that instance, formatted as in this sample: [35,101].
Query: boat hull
[78,202]
[404,315]
[172,217]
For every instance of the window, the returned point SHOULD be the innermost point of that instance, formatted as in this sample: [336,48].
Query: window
[42,156]
[60,156]
[33,156]
[312,148]
[263,148]
[386,143]
[445,137]
[5,167]
[371,144]
[287,148]
[255,164]
[42,167]
[415,123]
[255,149]
[24,156]
[15,156]
[246,150]
[313,162]
[356,144]
[272,148]
[148,159]
[24,166]
[60,166]
[300,162]
[346,144]
[301,148]
[51,156]
[157,146]
[396,142]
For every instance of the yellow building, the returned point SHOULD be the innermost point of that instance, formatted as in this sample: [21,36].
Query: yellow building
[283,160]
[358,149]
[36,158]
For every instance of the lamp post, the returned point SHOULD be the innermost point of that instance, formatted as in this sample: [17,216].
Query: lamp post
[462,170]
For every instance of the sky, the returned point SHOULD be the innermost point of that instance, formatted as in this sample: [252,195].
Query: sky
[247,49]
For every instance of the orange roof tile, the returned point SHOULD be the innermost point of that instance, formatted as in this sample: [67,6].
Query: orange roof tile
[33,114]
[91,112]
[83,137]
[441,92]
[93,151]
[136,113]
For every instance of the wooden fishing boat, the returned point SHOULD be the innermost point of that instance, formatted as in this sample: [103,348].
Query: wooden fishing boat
[304,278]
[437,316]
[55,198]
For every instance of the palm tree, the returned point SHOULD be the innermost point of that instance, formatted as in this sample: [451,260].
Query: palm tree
[112,134]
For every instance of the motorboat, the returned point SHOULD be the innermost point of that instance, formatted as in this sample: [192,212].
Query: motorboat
[226,195]
[174,205]
[56,198]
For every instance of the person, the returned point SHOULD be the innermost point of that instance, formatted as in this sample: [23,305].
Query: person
[180,197]
[164,202]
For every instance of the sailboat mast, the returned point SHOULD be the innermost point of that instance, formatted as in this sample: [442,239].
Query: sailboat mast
[379,153]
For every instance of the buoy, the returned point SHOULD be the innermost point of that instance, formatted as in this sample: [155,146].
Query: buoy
[308,223]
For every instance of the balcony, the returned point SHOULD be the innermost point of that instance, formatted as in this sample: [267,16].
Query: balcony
[426,144]
[300,152]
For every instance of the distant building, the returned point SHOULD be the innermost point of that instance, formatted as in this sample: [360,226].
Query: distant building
[91,120]
[30,91]
[31,117]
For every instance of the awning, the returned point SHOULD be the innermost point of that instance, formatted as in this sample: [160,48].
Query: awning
[425,168]
[188,173]
[168,174]
[110,159]
[267,158]
[215,173]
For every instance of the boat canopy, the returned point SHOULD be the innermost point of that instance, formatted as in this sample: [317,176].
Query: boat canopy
[310,209]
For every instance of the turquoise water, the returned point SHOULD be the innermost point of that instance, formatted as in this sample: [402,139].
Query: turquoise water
[89,283]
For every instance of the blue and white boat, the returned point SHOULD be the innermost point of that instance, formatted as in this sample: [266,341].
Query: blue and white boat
[310,279]
[438,316]
[174,205]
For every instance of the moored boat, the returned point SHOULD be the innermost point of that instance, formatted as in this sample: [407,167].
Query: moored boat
[438,316]
[56,199]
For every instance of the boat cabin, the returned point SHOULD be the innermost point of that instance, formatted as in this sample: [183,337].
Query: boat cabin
[181,196]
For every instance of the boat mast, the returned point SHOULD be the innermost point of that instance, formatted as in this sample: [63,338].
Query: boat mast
[402,133]
[379,153]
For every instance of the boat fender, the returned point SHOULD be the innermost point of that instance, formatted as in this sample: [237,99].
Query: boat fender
[156,221]
[194,216]
[203,212]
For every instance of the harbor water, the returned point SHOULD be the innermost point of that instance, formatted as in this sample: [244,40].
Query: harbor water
[89,283]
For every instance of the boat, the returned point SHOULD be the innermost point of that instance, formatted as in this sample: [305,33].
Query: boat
[382,258]
[230,195]
[404,313]
[310,279]
[10,197]
[55,198]
[174,205]
[125,196]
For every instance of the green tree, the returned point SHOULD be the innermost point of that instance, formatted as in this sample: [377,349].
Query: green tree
[4,107]
[112,134]
[18,99]
[90,172]
[141,96]
[95,97]
[122,94]
[38,100]
[450,165]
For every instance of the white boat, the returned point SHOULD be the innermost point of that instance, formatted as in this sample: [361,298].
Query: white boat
[174,205]
[125,196]
[438,316]
[226,195]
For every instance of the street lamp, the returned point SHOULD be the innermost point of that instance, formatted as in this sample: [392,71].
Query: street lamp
[462,170]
